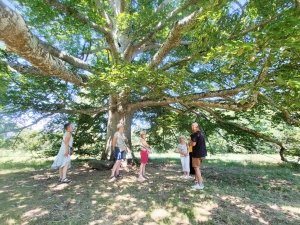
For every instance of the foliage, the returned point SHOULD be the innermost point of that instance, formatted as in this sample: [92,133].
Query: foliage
[250,47]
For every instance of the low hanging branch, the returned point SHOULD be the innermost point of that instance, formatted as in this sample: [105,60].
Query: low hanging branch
[287,116]
[24,127]
[250,131]
[18,39]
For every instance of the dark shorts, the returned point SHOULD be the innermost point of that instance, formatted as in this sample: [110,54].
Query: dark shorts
[144,156]
[197,162]
[118,154]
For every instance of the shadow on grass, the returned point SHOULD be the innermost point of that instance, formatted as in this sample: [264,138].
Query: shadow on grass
[235,193]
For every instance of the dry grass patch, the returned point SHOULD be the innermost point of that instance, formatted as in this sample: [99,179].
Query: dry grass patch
[240,192]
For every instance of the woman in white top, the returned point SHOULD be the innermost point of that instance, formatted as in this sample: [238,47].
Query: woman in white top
[63,159]
[118,144]
[184,157]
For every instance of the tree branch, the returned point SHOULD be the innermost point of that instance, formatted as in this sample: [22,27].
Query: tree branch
[248,130]
[22,128]
[287,116]
[193,100]
[232,106]
[262,24]
[235,27]
[76,62]
[85,20]
[96,50]
[18,38]
[162,24]
[25,69]
[177,63]
[297,4]
[174,38]
[162,5]
[118,6]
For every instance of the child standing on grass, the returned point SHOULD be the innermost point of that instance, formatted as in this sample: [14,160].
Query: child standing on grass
[63,159]
[145,151]
[184,157]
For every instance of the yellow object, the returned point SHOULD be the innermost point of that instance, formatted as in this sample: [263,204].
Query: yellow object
[191,149]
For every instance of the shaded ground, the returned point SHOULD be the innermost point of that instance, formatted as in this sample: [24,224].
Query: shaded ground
[235,193]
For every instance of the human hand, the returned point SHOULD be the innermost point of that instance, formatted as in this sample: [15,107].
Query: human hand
[66,154]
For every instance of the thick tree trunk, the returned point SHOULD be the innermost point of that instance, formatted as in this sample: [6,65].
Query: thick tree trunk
[120,112]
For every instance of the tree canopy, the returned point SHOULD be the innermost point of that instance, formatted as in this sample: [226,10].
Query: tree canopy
[99,63]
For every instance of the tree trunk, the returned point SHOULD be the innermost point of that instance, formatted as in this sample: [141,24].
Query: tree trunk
[120,112]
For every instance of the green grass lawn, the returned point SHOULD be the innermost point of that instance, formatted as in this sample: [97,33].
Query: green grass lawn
[239,189]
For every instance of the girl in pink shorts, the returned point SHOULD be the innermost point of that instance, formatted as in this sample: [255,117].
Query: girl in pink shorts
[145,151]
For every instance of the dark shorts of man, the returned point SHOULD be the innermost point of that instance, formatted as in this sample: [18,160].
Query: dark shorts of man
[118,154]
[197,162]
[192,171]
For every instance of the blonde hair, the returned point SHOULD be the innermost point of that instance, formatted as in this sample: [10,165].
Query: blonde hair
[195,124]
[119,125]
[142,133]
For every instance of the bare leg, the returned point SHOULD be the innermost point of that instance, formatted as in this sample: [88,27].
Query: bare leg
[64,170]
[118,168]
[144,168]
[141,169]
[60,172]
[198,176]
[114,169]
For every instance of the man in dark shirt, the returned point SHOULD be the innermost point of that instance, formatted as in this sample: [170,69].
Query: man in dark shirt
[198,154]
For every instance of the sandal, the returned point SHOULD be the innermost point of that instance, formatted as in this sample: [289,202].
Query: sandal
[141,179]
[65,180]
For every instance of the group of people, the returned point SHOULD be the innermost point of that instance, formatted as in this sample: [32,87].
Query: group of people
[191,154]
[118,144]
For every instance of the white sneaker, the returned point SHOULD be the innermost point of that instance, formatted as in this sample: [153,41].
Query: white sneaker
[188,177]
[197,186]
[184,176]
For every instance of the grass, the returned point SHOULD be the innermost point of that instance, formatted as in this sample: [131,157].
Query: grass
[239,189]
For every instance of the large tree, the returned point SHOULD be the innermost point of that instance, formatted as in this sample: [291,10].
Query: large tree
[113,58]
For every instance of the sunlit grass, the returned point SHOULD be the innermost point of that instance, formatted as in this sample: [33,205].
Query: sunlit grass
[244,191]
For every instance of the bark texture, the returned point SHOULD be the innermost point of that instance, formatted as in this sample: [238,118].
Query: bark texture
[18,38]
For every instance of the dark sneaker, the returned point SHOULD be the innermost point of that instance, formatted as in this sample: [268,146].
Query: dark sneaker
[65,180]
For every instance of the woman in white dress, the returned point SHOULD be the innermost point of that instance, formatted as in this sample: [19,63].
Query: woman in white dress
[63,159]
[184,157]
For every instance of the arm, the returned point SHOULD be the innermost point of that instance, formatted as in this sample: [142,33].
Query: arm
[68,137]
[187,148]
[180,151]
[192,143]
[114,142]
[145,143]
